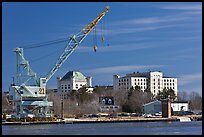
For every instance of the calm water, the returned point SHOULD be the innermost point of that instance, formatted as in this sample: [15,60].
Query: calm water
[129,128]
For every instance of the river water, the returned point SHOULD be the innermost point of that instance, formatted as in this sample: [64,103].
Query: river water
[126,128]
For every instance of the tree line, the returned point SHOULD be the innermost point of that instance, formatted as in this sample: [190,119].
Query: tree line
[80,102]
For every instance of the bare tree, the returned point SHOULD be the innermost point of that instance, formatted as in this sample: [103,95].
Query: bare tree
[195,101]
[7,107]
[182,96]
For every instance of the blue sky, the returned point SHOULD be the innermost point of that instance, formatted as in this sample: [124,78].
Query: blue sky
[164,36]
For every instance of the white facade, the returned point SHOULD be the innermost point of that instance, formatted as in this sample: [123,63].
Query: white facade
[180,106]
[73,80]
[152,81]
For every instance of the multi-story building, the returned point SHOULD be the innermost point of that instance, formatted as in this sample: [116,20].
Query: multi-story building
[153,81]
[73,80]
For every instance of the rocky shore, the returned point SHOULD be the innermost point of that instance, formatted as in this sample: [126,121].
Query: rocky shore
[111,120]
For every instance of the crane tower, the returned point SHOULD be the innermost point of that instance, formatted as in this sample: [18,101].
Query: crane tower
[29,92]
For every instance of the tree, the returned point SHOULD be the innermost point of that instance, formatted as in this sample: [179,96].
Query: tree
[136,98]
[7,107]
[182,96]
[195,102]
[165,94]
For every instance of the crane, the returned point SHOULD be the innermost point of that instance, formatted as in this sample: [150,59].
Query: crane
[29,92]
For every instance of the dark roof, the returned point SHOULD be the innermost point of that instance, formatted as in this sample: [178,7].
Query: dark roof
[180,102]
[74,74]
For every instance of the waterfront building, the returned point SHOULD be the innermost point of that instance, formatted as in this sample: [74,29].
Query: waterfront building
[180,106]
[107,104]
[73,80]
[153,81]
[156,107]
[152,107]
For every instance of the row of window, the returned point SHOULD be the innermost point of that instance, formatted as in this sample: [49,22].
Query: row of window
[123,80]
[169,80]
[65,90]
[165,80]
[68,86]
[122,84]
[145,84]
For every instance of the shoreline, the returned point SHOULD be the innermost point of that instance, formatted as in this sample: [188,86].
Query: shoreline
[109,120]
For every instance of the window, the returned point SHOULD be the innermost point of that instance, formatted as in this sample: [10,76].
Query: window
[65,86]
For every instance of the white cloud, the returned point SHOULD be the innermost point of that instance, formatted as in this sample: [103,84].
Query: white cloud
[189,78]
[149,20]
[121,47]
[118,69]
[182,7]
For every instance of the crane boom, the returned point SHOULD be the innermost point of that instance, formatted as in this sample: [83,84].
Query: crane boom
[75,40]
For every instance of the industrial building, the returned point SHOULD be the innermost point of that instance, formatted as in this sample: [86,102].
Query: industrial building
[153,81]
[73,80]
[156,107]
[152,107]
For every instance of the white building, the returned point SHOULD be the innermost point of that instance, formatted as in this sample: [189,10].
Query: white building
[152,81]
[73,80]
[180,106]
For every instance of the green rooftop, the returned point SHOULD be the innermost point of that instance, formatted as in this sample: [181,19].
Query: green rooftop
[74,74]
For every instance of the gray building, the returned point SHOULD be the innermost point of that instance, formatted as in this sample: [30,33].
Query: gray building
[152,107]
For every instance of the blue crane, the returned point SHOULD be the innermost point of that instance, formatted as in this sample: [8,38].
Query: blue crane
[27,95]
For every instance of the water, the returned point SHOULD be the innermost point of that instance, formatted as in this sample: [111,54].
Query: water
[128,128]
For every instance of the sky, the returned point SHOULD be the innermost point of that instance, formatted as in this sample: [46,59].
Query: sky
[139,36]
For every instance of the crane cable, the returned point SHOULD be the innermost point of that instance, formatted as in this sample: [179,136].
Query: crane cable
[102,31]
[47,55]
[45,43]
[94,40]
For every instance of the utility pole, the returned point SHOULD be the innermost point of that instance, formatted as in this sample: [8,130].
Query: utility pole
[62,109]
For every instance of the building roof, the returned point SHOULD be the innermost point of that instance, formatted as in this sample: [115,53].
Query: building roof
[74,74]
[180,102]
[156,101]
